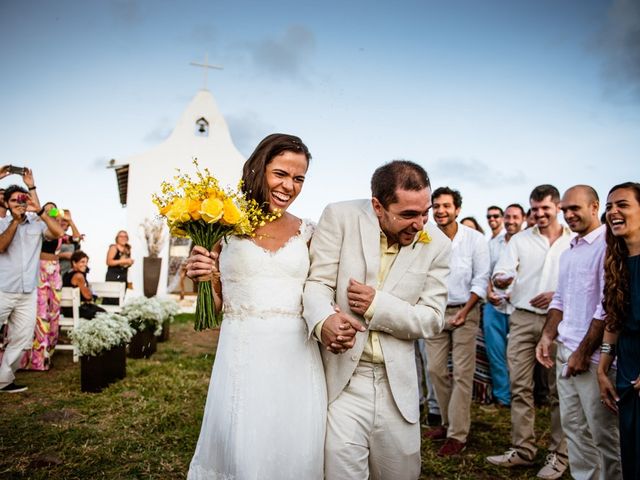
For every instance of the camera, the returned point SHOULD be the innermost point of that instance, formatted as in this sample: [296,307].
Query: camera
[17,170]
[23,198]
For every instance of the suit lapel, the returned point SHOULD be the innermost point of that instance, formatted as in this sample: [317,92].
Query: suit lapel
[403,261]
[370,237]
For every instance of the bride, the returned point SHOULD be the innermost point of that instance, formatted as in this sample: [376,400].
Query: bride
[266,407]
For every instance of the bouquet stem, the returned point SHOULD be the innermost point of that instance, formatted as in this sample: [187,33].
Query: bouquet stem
[206,316]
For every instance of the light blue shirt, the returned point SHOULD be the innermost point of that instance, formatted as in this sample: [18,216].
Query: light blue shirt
[20,263]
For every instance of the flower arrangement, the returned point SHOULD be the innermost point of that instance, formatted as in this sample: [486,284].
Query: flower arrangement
[143,312]
[154,235]
[206,213]
[169,306]
[105,331]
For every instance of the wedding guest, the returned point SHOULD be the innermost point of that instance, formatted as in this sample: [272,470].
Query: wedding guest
[70,243]
[471,222]
[21,235]
[495,219]
[495,319]
[530,262]
[467,285]
[48,312]
[575,325]
[259,280]
[622,331]
[118,262]
[77,277]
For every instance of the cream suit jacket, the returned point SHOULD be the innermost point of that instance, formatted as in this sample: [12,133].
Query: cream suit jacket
[411,304]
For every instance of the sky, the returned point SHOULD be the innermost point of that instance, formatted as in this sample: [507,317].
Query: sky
[491,97]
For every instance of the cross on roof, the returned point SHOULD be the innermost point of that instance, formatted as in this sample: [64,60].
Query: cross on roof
[205,66]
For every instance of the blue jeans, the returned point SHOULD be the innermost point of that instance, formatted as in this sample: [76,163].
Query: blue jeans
[496,328]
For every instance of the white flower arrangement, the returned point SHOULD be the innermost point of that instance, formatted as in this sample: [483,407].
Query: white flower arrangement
[105,331]
[154,235]
[151,312]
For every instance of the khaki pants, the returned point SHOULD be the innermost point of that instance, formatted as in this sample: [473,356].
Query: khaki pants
[525,329]
[454,394]
[592,434]
[367,437]
[19,309]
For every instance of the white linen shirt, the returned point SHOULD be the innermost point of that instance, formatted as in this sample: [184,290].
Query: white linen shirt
[468,267]
[20,263]
[533,263]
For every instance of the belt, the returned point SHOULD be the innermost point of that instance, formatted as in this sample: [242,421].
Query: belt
[528,311]
[457,305]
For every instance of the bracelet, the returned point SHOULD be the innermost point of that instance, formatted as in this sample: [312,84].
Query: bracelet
[608,348]
[40,212]
[32,188]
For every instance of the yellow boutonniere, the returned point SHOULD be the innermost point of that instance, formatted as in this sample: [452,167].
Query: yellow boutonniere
[422,237]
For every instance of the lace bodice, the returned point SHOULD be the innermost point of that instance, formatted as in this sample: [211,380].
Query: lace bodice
[258,282]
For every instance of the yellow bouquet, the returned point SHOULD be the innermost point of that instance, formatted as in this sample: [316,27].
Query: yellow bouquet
[204,212]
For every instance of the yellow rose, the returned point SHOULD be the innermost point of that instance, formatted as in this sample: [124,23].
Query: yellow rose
[179,211]
[232,213]
[211,210]
[164,210]
[422,237]
[194,209]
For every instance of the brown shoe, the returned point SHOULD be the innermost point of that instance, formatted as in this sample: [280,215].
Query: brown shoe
[451,447]
[437,433]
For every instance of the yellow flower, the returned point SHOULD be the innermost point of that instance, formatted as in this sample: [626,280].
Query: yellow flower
[211,210]
[179,211]
[164,210]
[422,237]
[232,213]
[194,209]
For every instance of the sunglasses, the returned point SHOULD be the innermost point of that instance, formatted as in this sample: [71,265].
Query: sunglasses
[493,215]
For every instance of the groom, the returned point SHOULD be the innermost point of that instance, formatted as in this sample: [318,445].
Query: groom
[377,282]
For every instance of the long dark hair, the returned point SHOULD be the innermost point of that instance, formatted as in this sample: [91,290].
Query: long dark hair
[254,184]
[616,274]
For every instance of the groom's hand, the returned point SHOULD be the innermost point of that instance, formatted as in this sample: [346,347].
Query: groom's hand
[339,332]
[360,296]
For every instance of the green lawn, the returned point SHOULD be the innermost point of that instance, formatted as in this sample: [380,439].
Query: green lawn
[146,426]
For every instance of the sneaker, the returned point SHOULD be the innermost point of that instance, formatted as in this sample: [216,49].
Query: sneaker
[553,468]
[437,433]
[13,388]
[494,407]
[451,447]
[510,458]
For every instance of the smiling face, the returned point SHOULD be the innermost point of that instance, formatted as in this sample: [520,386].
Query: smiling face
[444,210]
[122,238]
[513,220]
[81,265]
[494,219]
[284,177]
[401,220]
[623,213]
[545,212]
[580,212]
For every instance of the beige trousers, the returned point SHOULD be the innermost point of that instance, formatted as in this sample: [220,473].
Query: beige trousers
[525,329]
[454,394]
[367,437]
[592,434]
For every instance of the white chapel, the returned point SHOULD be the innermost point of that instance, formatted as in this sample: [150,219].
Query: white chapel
[201,132]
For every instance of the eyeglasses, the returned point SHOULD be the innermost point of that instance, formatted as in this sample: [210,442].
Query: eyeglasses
[493,215]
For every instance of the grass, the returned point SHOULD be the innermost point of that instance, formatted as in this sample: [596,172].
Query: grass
[146,426]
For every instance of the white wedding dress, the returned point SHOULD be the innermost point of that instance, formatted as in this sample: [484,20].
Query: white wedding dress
[266,408]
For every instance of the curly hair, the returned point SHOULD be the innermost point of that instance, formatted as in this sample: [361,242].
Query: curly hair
[617,301]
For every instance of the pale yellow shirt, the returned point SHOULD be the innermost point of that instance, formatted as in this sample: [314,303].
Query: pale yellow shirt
[372,351]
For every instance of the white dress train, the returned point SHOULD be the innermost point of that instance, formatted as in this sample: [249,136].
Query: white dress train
[266,407]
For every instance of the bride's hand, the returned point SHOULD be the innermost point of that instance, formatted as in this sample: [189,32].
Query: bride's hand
[202,265]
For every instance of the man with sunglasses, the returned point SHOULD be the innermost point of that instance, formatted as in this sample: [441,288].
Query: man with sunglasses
[495,219]
[21,234]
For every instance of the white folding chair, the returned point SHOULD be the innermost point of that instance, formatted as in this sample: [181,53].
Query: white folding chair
[70,297]
[114,290]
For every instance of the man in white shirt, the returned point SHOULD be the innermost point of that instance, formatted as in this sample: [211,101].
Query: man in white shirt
[467,284]
[21,234]
[575,322]
[495,313]
[531,262]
